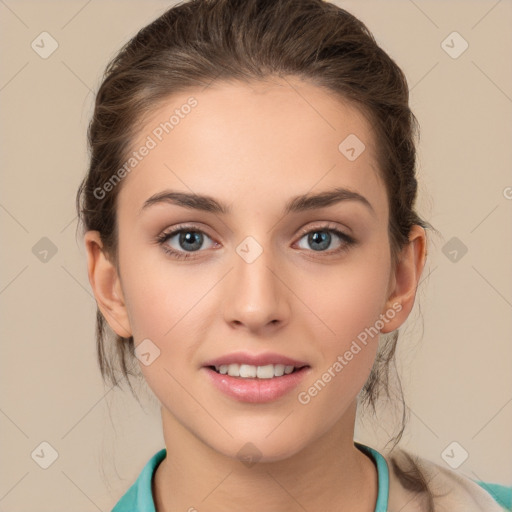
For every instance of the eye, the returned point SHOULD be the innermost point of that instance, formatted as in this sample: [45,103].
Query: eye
[181,241]
[321,238]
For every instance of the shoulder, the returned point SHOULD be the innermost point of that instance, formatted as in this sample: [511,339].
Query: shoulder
[451,491]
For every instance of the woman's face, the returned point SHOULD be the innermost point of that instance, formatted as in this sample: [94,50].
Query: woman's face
[267,276]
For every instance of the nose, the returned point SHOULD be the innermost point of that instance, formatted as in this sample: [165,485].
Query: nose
[257,299]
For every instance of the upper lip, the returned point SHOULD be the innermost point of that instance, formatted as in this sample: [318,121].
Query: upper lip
[255,359]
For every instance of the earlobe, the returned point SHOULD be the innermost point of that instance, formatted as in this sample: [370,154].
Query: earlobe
[405,279]
[106,285]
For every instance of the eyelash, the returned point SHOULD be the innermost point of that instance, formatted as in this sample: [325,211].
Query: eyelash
[347,241]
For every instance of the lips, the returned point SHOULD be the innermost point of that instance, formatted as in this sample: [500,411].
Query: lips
[255,378]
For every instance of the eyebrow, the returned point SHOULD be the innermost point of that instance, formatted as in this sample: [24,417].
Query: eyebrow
[296,204]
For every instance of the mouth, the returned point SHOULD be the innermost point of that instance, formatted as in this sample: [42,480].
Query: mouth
[255,378]
[248,371]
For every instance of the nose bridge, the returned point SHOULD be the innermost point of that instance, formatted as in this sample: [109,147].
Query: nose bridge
[257,297]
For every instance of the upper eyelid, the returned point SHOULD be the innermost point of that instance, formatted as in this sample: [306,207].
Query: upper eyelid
[326,226]
[185,227]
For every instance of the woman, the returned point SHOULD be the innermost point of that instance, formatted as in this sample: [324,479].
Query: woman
[251,232]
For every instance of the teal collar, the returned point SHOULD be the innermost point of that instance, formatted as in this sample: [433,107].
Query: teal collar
[383,476]
[139,496]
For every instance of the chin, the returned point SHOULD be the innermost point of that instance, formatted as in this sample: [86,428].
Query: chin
[260,447]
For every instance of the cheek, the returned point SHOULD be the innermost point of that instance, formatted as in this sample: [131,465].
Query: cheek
[349,297]
[164,303]
[158,292]
[348,302]
[350,305]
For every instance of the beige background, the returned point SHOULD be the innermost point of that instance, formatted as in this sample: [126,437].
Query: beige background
[455,363]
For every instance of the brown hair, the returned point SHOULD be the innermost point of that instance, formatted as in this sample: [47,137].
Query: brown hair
[199,41]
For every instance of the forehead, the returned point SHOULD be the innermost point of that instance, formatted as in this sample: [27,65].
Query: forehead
[236,141]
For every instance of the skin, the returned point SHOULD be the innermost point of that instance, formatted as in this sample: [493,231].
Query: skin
[253,147]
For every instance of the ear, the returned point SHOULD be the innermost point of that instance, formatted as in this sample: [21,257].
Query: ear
[404,279]
[106,285]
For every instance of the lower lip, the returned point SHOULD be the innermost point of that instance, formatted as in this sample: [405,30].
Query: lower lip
[256,390]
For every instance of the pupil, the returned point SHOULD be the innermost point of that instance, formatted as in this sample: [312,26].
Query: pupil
[324,239]
[186,238]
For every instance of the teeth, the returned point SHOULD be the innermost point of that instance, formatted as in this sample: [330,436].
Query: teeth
[279,370]
[248,371]
[234,370]
[265,372]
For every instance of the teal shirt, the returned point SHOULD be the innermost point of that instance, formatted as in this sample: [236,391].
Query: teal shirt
[139,497]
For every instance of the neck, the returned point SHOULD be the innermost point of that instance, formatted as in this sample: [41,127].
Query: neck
[330,474]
